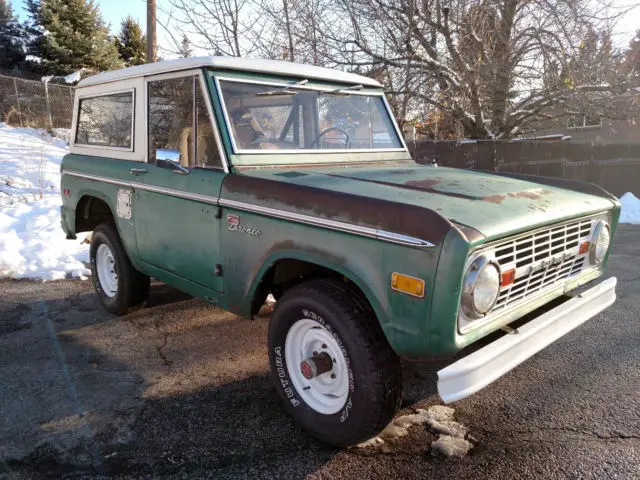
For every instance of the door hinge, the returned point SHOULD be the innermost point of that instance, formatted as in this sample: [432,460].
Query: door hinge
[217,271]
[218,213]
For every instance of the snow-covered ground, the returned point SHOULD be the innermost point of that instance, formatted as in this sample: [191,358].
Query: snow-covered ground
[630,209]
[32,244]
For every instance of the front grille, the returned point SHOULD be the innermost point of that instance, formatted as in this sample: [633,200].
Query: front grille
[542,259]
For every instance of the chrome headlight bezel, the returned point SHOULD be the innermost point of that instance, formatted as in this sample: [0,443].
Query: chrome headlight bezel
[467,299]
[601,232]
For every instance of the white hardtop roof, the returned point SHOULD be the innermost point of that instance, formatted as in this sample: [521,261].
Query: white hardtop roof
[232,63]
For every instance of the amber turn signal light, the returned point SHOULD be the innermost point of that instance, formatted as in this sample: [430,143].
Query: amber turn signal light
[584,248]
[406,284]
[508,277]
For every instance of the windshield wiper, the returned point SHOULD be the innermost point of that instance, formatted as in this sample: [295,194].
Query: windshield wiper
[283,90]
[342,91]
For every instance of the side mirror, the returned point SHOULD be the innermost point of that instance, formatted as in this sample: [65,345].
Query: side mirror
[170,159]
[165,155]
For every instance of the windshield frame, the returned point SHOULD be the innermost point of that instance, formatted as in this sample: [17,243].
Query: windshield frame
[293,84]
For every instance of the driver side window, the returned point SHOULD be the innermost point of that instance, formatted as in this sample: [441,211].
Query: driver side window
[179,128]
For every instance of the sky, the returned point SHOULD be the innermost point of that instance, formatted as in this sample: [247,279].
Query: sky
[113,11]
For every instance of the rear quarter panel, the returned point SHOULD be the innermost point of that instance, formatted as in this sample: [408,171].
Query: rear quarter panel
[118,170]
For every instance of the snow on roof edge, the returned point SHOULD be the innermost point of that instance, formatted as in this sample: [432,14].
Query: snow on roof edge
[231,63]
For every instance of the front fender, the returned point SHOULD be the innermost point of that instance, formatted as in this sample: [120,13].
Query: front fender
[288,254]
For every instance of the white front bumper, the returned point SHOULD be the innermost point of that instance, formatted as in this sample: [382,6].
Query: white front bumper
[478,369]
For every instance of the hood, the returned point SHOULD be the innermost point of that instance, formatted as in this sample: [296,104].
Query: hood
[494,205]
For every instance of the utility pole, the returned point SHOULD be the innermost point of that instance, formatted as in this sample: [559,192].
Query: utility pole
[151,31]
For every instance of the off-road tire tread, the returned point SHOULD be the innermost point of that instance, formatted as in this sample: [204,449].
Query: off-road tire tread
[365,332]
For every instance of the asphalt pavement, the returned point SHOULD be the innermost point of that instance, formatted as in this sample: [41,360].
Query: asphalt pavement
[180,389]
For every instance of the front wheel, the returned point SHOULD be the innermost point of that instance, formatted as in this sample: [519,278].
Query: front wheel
[331,363]
[118,284]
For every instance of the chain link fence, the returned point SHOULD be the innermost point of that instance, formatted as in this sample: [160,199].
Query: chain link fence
[30,103]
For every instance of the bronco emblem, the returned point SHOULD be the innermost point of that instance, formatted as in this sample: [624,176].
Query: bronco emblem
[233,224]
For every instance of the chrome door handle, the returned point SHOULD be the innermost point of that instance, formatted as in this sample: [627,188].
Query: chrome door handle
[138,171]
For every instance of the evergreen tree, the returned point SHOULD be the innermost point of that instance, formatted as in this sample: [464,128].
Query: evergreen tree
[132,44]
[185,50]
[69,35]
[11,38]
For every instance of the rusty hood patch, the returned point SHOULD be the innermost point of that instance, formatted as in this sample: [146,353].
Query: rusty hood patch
[492,205]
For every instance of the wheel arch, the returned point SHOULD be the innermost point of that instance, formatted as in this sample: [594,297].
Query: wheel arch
[266,278]
[92,209]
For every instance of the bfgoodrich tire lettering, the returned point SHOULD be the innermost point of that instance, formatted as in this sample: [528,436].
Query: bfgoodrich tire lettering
[132,286]
[375,380]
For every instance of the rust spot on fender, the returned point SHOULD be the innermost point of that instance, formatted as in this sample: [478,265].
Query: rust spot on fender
[407,186]
[494,198]
[299,247]
[376,213]
[529,194]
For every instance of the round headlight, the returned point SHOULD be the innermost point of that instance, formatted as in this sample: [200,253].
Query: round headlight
[599,243]
[480,288]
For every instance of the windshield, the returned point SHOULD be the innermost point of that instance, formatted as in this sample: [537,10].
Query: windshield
[266,118]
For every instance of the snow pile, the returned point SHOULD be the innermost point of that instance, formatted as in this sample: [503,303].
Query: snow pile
[453,438]
[630,209]
[32,243]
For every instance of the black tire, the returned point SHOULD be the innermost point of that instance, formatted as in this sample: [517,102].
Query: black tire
[375,386]
[132,286]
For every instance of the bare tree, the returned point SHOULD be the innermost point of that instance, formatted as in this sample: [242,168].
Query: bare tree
[222,27]
[494,65]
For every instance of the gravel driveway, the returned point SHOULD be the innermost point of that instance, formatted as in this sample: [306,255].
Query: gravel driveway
[181,389]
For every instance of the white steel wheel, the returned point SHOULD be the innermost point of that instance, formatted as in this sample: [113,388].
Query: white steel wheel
[106,268]
[326,393]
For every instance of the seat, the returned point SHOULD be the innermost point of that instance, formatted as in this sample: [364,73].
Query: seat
[246,129]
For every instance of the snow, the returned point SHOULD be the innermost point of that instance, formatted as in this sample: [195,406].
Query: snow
[32,243]
[630,209]
[71,78]
[75,76]
[452,436]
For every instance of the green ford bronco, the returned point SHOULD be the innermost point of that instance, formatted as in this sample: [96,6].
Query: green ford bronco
[232,179]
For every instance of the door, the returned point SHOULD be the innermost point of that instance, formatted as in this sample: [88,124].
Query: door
[175,202]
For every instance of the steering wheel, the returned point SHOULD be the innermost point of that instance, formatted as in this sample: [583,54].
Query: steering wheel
[347,143]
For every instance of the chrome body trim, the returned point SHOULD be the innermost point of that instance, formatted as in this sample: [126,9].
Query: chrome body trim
[402,239]
[148,188]
[329,224]
[362,231]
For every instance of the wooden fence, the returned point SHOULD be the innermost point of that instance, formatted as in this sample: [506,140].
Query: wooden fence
[615,167]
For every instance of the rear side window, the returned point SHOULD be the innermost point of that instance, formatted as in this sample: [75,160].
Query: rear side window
[106,121]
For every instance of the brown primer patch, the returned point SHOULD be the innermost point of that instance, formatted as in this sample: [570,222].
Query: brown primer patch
[387,215]
[427,183]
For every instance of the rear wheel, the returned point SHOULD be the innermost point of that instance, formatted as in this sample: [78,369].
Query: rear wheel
[331,363]
[119,286]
